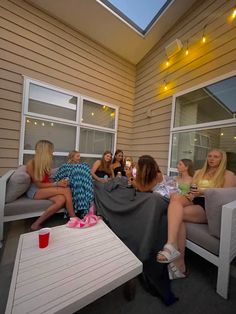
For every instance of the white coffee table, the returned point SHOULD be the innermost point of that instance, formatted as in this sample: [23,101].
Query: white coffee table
[78,267]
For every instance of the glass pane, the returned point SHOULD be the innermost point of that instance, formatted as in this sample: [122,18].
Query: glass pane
[95,142]
[52,103]
[196,144]
[57,160]
[96,114]
[88,160]
[61,135]
[211,103]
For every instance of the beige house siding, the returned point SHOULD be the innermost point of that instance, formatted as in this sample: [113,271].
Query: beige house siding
[36,45]
[205,62]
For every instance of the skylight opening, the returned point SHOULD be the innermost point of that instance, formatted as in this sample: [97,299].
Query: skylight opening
[139,15]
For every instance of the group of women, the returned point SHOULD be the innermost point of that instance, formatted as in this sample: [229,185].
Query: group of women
[186,204]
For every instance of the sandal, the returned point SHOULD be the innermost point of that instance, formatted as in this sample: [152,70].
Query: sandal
[169,252]
[88,221]
[73,222]
[175,273]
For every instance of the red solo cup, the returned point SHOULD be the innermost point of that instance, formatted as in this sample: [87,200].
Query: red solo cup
[44,234]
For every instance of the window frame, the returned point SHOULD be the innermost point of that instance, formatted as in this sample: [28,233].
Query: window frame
[196,127]
[77,123]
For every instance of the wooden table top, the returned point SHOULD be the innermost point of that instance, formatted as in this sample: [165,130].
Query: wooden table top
[77,267]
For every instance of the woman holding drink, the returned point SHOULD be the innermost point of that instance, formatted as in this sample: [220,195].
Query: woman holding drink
[190,208]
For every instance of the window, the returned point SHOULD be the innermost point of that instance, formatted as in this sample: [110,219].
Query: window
[203,119]
[69,120]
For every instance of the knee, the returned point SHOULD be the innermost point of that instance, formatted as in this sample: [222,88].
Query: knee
[175,197]
[60,201]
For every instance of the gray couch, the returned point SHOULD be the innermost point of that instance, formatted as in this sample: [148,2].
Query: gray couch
[14,204]
[215,241]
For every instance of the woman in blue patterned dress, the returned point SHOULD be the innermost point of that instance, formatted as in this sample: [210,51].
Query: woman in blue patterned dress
[80,182]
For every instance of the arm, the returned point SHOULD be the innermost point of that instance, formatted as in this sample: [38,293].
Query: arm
[95,166]
[230,179]
[30,170]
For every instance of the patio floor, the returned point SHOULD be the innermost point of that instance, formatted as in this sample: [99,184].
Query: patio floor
[196,293]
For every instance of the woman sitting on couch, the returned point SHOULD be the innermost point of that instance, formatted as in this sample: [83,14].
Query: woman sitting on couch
[42,187]
[190,208]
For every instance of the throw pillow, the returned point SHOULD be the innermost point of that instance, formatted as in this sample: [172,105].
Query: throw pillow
[18,184]
[214,200]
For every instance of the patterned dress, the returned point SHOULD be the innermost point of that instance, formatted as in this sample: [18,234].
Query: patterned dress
[81,185]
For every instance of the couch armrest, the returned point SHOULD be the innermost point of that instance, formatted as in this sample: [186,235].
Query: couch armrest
[3,184]
[228,230]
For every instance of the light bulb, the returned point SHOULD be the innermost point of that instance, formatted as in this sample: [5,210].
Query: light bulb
[28,121]
[92,113]
[222,134]
[203,39]
[43,124]
[52,124]
[167,63]
[186,52]
[234,13]
[35,123]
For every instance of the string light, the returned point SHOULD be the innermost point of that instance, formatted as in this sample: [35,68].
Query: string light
[186,51]
[52,124]
[92,113]
[35,123]
[165,85]
[203,35]
[203,40]
[234,13]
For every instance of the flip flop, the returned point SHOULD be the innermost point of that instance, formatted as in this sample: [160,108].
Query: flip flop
[169,252]
[88,221]
[72,223]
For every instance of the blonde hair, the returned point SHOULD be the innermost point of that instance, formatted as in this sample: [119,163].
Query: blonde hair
[42,161]
[71,156]
[218,177]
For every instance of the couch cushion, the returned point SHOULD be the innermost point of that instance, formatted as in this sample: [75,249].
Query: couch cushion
[214,200]
[25,205]
[18,184]
[199,234]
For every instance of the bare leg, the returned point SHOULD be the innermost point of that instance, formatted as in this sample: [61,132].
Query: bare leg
[58,203]
[180,262]
[195,214]
[53,191]
[59,197]
[175,220]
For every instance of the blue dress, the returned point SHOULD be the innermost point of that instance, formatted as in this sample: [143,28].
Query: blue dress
[81,185]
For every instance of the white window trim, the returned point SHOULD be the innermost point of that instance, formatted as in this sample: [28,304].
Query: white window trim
[77,123]
[200,126]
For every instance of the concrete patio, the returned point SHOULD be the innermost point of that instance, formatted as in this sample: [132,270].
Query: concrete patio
[196,293]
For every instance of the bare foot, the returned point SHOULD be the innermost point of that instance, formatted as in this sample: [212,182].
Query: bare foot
[35,227]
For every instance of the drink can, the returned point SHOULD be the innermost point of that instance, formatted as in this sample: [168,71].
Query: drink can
[193,187]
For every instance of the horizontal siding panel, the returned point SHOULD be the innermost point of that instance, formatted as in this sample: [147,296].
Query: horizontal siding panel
[9,153]
[49,26]
[64,54]
[10,95]
[44,77]
[5,143]
[190,27]
[10,76]
[10,105]
[10,115]
[10,125]
[44,64]
[9,163]
[64,63]
[9,134]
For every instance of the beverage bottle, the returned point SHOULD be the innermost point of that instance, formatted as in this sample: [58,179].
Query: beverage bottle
[119,174]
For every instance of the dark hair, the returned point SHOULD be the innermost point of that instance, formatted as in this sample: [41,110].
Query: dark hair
[147,169]
[105,165]
[188,163]
[118,151]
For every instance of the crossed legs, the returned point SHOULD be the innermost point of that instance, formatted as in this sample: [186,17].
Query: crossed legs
[60,197]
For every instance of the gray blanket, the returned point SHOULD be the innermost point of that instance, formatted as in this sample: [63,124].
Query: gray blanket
[139,219]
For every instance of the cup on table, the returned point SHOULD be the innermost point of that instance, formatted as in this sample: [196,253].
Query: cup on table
[44,235]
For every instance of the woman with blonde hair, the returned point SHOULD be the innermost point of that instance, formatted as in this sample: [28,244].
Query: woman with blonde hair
[191,209]
[79,178]
[42,187]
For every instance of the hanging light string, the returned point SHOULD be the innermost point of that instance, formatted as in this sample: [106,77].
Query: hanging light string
[203,40]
